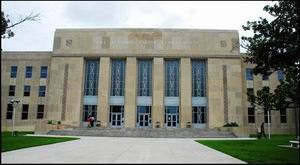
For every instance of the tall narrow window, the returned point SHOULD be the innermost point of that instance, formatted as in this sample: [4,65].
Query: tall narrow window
[13,71]
[28,73]
[198,78]
[172,78]
[40,112]
[26,90]
[251,115]
[280,75]
[44,70]
[144,78]
[117,78]
[91,78]
[42,91]
[249,74]
[12,89]
[283,116]
[9,113]
[25,111]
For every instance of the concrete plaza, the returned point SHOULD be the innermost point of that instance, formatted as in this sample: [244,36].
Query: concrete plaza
[120,150]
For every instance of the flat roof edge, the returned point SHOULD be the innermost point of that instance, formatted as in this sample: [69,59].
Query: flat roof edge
[26,51]
[143,29]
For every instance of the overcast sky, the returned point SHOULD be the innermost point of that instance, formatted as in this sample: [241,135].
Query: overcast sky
[38,36]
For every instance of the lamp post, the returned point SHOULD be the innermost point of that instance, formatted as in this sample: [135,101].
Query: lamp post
[14,104]
[269,130]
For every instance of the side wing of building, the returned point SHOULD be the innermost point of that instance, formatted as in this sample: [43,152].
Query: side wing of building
[24,76]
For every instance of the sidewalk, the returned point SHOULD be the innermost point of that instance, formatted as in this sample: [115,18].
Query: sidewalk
[120,150]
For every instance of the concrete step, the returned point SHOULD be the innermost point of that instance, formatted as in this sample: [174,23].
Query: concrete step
[150,129]
[149,132]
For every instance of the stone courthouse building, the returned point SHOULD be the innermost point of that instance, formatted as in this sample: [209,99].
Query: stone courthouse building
[136,78]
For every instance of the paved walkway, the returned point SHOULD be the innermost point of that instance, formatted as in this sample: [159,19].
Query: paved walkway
[120,150]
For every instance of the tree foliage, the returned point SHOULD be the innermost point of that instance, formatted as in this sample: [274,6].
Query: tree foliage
[275,46]
[7,24]
[263,100]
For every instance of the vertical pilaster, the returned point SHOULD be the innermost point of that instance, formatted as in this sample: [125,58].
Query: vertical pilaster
[185,92]
[130,93]
[65,96]
[104,91]
[215,93]
[225,93]
[73,111]
[158,91]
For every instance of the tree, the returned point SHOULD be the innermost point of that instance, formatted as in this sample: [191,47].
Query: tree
[264,101]
[7,24]
[275,46]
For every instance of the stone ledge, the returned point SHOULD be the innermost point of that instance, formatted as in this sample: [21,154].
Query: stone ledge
[45,128]
[237,131]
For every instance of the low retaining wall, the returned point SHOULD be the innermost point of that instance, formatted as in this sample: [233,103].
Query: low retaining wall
[45,128]
[237,131]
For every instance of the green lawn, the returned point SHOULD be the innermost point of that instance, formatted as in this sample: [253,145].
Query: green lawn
[262,151]
[9,142]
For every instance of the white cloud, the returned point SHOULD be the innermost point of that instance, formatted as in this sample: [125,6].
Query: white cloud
[179,14]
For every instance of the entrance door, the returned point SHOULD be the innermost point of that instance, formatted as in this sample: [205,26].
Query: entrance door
[199,117]
[89,110]
[144,120]
[116,119]
[172,120]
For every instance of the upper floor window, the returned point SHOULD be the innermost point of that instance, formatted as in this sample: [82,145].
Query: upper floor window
[40,112]
[198,78]
[26,90]
[144,78]
[251,115]
[42,91]
[172,78]
[250,91]
[25,112]
[12,89]
[28,73]
[13,71]
[265,77]
[117,78]
[44,70]
[280,75]
[249,74]
[9,113]
[283,116]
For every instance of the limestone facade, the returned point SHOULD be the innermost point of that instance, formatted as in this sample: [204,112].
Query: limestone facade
[225,86]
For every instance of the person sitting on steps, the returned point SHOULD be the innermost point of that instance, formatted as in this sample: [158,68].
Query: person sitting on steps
[89,119]
[92,121]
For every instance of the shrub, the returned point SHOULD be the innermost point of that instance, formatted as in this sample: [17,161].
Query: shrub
[232,124]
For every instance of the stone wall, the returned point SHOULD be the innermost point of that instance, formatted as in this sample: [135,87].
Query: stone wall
[21,60]
[66,90]
[146,42]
